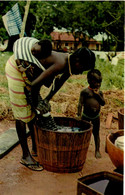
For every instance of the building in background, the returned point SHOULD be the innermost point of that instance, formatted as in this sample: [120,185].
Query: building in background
[65,41]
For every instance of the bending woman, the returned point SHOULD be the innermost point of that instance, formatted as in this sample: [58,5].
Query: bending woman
[33,65]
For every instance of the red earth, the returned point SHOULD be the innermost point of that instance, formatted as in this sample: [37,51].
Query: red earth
[15,179]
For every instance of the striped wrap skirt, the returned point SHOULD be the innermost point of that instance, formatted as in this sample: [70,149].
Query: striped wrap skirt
[16,84]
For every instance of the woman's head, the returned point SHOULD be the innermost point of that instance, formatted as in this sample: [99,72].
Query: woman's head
[42,49]
[81,60]
[94,78]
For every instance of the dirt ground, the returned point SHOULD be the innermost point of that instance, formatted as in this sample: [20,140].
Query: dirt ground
[15,179]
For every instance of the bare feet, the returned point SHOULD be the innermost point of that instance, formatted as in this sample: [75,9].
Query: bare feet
[97,154]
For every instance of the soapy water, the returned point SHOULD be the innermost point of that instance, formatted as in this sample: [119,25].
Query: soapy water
[49,123]
[68,129]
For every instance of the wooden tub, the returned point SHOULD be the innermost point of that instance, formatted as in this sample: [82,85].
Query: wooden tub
[116,154]
[63,151]
[100,183]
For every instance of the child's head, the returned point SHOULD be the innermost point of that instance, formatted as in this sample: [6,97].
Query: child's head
[94,78]
[42,49]
[81,60]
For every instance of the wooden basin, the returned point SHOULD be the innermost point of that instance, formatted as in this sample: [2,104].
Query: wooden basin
[63,152]
[116,154]
[100,183]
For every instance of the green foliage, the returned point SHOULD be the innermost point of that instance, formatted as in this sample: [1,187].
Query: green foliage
[81,81]
[113,75]
[40,36]
[44,18]
[118,102]
[3,34]
[4,96]
[4,56]
[78,17]
[58,110]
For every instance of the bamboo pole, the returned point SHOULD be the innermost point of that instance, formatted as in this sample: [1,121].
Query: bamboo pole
[25,18]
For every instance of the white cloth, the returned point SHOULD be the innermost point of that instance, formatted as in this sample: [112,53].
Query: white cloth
[13,21]
[119,142]
[22,50]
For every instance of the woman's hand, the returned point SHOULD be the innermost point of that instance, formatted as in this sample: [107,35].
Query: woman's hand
[43,106]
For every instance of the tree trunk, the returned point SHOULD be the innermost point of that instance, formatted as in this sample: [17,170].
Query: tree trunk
[25,18]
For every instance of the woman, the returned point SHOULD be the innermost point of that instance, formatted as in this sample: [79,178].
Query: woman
[34,64]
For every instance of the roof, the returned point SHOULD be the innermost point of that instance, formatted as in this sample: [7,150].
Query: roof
[62,36]
[65,36]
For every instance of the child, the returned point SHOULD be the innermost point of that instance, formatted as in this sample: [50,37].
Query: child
[91,99]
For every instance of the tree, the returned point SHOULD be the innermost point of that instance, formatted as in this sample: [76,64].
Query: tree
[111,17]
[78,17]
[44,20]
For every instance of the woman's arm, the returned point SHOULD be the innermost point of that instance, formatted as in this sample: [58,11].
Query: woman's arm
[42,79]
[48,74]
[57,85]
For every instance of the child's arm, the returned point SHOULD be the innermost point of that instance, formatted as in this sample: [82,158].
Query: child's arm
[80,104]
[99,96]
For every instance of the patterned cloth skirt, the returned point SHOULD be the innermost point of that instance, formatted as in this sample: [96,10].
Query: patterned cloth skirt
[16,84]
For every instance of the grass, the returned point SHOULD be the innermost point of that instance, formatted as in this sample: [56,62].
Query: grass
[4,56]
[113,75]
[118,102]
[4,95]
